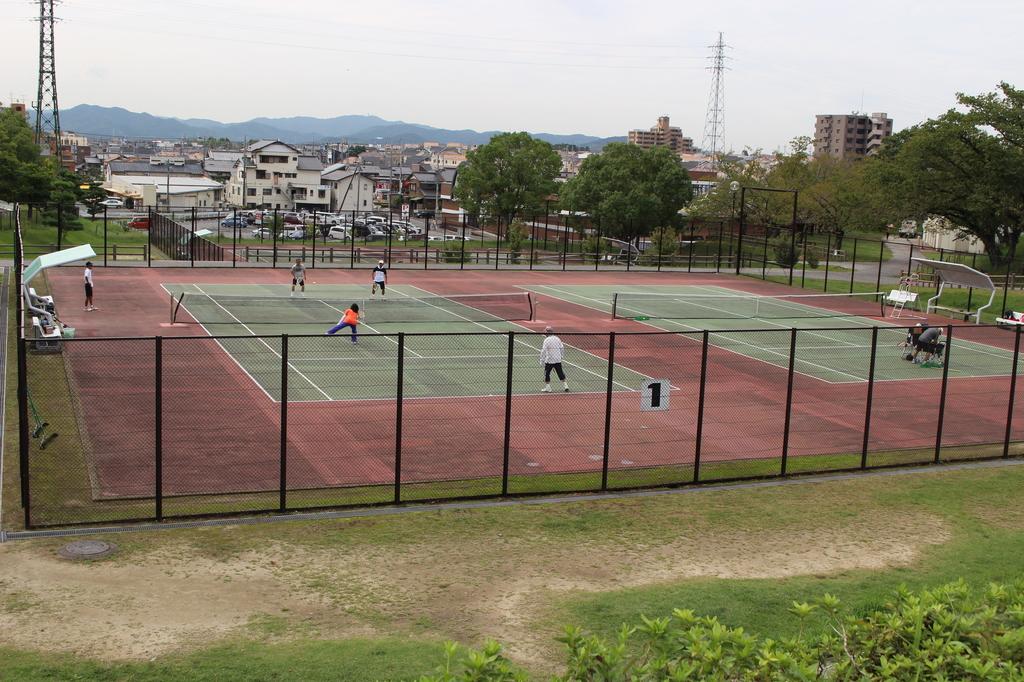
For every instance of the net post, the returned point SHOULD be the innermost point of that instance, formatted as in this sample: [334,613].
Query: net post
[615,304]
[506,445]
[158,429]
[283,483]
[942,395]
[608,411]
[869,399]
[399,387]
[789,401]
[1013,391]
[698,439]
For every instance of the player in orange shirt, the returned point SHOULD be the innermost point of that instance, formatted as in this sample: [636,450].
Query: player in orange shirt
[349,319]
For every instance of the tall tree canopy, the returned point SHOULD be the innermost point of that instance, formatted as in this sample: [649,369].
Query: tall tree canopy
[630,190]
[23,175]
[966,166]
[510,175]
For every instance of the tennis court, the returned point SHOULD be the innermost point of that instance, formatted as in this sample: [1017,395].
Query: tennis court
[839,353]
[466,360]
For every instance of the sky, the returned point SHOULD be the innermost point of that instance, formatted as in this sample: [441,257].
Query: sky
[597,67]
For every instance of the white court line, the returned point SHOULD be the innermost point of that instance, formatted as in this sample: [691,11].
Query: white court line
[528,345]
[269,347]
[723,334]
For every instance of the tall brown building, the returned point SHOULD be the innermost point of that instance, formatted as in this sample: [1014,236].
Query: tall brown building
[850,135]
[662,135]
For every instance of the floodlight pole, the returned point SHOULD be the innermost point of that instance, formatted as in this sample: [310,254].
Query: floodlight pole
[739,237]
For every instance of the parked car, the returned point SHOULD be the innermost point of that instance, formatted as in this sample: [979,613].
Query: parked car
[139,222]
[234,221]
[326,219]
[262,233]
[376,220]
[297,233]
[292,219]
[424,213]
[112,203]
[338,232]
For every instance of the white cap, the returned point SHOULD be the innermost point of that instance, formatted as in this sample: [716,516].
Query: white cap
[380,262]
[549,330]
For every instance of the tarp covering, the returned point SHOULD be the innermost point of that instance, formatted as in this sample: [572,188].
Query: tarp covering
[52,260]
[957,273]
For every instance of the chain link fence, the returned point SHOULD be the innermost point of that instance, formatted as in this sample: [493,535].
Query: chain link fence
[162,427]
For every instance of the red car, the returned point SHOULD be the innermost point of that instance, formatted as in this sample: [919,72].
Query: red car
[139,222]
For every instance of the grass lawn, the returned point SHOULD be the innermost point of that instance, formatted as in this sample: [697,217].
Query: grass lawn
[387,591]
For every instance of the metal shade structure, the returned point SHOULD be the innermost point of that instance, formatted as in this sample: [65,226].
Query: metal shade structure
[961,275]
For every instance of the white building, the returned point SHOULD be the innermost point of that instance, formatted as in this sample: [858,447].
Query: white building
[167,192]
[273,174]
[350,189]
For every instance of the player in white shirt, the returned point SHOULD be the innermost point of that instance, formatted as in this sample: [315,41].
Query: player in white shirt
[88,287]
[380,279]
[551,353]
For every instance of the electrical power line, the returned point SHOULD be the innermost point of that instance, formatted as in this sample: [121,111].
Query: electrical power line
[714,122]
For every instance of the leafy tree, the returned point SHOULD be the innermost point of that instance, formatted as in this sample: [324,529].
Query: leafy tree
[511,174]
[629,189]
[515,235]
[355,150]
[23,175]
[954,166]
[92,197]
[64,195]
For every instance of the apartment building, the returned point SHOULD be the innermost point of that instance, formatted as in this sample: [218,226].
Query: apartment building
[351,189]
[449,157]
[850,135]
[273,174]
[663,135]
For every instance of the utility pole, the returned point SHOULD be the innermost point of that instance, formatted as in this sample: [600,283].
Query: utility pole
[714,122]
[47,110]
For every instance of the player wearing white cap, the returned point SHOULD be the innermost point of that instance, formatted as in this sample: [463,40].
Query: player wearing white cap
[551,353]
[380,278]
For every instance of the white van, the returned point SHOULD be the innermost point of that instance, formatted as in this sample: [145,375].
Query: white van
[338,232]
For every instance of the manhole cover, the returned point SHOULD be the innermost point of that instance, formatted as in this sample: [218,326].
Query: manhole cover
[86,549]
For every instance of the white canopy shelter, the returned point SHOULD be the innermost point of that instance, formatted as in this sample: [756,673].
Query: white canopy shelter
[960,275]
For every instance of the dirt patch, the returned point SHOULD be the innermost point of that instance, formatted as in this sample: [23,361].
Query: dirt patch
[155,602]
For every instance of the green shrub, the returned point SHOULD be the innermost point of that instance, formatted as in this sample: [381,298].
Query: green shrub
[785,252]
[947,633]
[811,259]
[515,235]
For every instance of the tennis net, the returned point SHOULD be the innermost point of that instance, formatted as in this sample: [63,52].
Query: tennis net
[633,305]
[234,309]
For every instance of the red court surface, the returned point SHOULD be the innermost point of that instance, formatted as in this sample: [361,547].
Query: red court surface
[221,431]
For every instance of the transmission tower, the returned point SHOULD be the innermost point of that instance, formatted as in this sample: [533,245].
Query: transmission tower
[714,123]
[47,111]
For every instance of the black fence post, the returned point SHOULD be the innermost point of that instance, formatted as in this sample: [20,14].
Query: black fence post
[399,388]
[881,255]
[789,401]
[192,241]
[910,258]
[1013,391]
[792,239]
[104,236]
[661,245]
[313,264]
[23,435]
[507,443]
[942,395]
[739,234]
[828,258]
[597,248]
[234,238]
[853,265]
[700,405]
[764,254]
[565,243]
[60,225]
[283,499]
[718,255]
[970,290]
[1006,284]
[803,259]
[275,225]
[869,399]
[352,242]
[158,428]
[426,242]
[149,237]
[533,239]
[689,258]
[608,411]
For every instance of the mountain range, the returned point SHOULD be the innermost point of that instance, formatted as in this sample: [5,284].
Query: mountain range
[96,121]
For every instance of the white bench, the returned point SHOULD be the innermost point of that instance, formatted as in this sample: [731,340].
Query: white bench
[1008,322]
[47,338]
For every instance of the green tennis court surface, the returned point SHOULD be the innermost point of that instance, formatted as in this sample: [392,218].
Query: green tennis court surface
[333,368]
[836,356]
